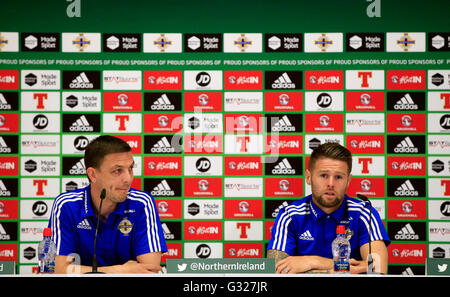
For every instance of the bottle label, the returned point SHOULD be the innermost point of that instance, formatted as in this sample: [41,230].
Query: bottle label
[341,266]
[47,267]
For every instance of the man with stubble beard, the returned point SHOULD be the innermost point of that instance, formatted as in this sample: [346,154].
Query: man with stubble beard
[130,238]
[304,230]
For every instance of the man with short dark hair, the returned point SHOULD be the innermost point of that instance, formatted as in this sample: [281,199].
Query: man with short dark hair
[130,237]
[304,230]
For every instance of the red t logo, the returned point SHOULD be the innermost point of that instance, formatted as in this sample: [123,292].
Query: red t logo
[446,185]
[243,227]
[40,99]
[364,76]
[243,140]
[122,119]
[446,97]
[365,164]
[40,183]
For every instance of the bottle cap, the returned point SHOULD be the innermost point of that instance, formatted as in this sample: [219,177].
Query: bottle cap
[340,229]
[47,232]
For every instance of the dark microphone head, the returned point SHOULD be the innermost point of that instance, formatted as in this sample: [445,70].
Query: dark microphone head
[362,197]
[103,194]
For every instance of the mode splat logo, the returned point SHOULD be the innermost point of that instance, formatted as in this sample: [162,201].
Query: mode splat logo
[40,42]
[365,42]
[439,42]
[121,42]
[202,43]
[283,42]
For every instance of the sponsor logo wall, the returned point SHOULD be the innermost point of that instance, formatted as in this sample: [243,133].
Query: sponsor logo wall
[223,150]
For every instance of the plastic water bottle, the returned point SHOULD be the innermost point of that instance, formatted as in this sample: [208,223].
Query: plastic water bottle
[47,253]
[341,251]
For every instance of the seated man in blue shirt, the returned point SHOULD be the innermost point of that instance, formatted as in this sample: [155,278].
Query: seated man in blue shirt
[130,238]
[304,230]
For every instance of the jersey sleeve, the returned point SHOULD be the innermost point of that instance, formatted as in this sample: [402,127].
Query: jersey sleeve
[63,231]
[283,234]
[149,235]
[376,230]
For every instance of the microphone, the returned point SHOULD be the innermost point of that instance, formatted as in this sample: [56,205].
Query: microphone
[369,257]
[94,260]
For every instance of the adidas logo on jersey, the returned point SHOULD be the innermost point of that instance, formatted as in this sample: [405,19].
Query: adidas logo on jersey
[406,189]
[81,82]
[406,146]
[84,224]
[306,236]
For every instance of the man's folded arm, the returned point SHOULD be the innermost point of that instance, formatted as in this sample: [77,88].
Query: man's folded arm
[300,264]
[277,255]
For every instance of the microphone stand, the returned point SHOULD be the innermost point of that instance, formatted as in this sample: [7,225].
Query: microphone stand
[369,257]
[94,260]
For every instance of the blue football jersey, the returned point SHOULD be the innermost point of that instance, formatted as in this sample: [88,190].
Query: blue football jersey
[132,229]
[302,228]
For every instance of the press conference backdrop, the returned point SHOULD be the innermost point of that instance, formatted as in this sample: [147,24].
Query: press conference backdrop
[222,103]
